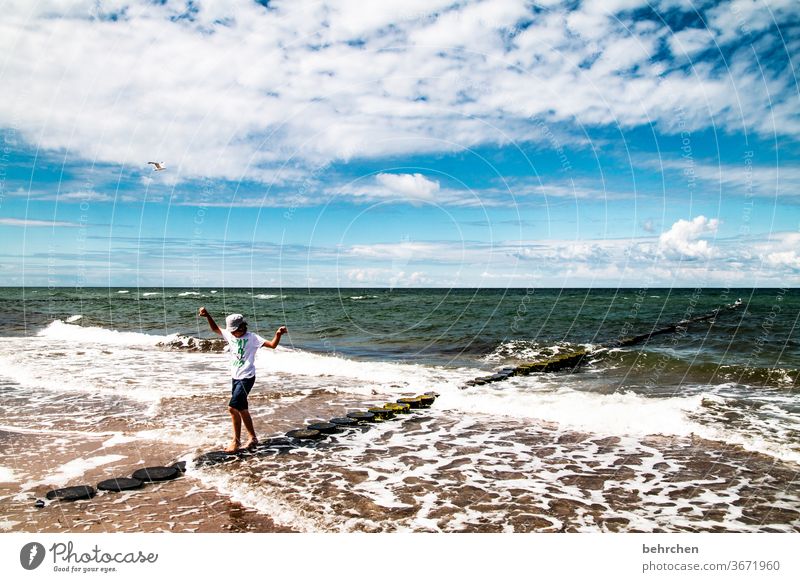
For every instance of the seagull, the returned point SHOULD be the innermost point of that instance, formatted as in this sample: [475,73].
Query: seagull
[158,166]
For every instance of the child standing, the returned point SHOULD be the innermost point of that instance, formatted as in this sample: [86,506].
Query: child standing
[243,346]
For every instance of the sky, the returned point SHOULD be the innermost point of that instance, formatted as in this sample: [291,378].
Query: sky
[413,143]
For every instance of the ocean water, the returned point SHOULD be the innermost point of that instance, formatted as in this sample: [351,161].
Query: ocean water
[692,431]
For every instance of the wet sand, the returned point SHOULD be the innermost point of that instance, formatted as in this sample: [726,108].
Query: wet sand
[180,505]
[428,471]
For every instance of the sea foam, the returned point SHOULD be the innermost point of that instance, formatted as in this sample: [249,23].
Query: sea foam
[60,330]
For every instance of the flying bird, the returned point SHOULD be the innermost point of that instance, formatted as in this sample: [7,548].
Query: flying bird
[158,166]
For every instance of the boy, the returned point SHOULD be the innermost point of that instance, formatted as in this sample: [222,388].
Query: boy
[243,346]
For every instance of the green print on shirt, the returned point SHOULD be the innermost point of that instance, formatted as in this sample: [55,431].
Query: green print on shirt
[240,344]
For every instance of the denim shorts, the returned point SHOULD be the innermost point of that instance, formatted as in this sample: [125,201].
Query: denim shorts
[239,391]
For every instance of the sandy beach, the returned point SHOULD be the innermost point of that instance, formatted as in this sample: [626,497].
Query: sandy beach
[425,472]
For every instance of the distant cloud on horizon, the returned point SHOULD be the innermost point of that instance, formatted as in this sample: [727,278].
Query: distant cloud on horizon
[32,223]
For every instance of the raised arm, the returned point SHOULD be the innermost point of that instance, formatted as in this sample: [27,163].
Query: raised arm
[277,339]
[211,323]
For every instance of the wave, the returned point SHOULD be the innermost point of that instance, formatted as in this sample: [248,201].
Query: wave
[561,399]
[286,360]
[60,330]
[618,413]
[623,413]
[74,318]
[265,296]
[362,376]
[188,293]
[665,365]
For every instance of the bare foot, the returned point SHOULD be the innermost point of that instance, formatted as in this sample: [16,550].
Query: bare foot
[251,444]
[234,446]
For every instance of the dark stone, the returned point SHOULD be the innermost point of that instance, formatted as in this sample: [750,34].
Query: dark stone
[40,503]
[323,427]
[119,484]
[278,442]
[381,413]
[342,421]
[153,474]
[412,402]
[72,493]
[361,416]
[398,408]
[180,466]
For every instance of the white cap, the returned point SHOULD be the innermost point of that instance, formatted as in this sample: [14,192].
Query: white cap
[234,321]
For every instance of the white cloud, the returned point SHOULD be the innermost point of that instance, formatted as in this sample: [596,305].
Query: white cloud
[84,196]
[683,238]
[387,277]
[577,251]
[782,252]
[31,223]
[512,191]
[403,250]
[748,178]
[685,43]
[784,259]
[409,185]
[233,90]
[742,18]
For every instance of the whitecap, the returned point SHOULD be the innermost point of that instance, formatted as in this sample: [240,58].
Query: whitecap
[64,331]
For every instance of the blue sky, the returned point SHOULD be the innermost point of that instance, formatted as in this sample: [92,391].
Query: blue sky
[503,143]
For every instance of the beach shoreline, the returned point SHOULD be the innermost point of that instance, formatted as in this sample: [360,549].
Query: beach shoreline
[545,480]
[695,431]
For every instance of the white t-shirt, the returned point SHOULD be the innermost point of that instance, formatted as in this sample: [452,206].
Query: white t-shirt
[243,353]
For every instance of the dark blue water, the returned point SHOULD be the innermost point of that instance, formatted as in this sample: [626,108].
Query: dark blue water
[457,326]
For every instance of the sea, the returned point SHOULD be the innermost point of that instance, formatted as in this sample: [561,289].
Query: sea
[691,431]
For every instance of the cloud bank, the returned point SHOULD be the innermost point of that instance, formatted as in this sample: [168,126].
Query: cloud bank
[256,90]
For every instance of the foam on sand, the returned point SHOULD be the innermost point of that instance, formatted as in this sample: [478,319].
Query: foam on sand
[7,475]
[74,469]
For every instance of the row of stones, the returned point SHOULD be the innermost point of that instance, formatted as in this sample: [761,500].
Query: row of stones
[388,411]
[555,364]
[314,431]
[116,484]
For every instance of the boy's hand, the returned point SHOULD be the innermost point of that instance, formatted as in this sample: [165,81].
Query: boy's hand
[202,312]
[282,330]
